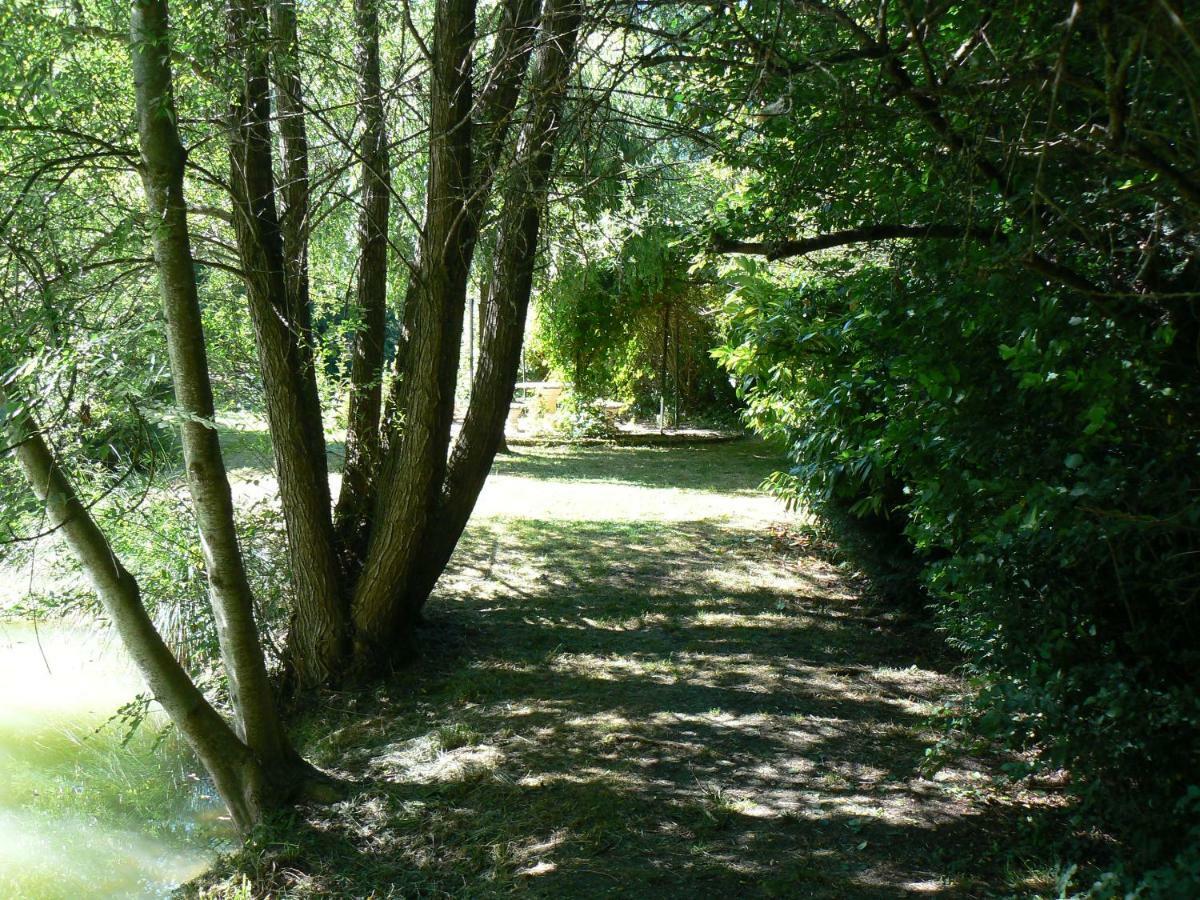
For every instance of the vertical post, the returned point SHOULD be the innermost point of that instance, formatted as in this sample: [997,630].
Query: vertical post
[662,372]
[470,340]
[675,369]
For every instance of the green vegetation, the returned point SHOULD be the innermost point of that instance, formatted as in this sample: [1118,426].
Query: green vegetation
[129,804]
[267,271]
[1001,410]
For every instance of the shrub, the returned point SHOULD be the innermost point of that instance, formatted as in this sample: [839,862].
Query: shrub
[1039,461]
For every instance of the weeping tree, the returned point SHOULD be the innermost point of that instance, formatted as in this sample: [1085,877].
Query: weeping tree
[362,574]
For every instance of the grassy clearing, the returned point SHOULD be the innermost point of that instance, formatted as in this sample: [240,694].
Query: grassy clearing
[637,682]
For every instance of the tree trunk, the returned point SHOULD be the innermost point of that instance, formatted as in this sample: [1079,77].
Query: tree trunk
[510,285]
[412,473]
[675,368]
[317,638]
[493,116]
[515,40]
[162,168]
[293,145]
[366,372]
[662,370]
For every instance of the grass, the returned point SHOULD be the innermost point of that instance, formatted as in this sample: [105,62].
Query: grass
[637,681]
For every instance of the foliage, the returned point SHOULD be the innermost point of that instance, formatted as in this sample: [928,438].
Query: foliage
[1009,402]
[601,322]
[1006,408]
[620,266]
[583,419]
[1020,447]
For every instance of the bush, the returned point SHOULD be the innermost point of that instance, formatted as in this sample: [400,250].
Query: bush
[1039,460]
[583,419]
[601,324]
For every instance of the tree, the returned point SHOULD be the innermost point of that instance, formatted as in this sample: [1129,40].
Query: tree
[963,286]
[359,587]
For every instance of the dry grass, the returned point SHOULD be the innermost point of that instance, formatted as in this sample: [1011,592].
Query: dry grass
[635,684]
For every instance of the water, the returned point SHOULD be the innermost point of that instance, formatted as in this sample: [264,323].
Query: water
[82,812]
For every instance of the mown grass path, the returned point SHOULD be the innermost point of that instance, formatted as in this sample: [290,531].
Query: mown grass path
[638,683]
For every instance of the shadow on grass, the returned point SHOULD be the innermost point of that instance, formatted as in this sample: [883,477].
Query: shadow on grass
[622,708]
[617,709]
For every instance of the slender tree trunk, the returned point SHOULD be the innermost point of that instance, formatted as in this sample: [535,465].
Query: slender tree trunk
[162,169]
[235,770]
[366,372]
[510,284]
[317,638]
[293,145]
[662,371]
[515,41]
[412,473]
[515,38]
[675,368]
[485,292]
[471,341]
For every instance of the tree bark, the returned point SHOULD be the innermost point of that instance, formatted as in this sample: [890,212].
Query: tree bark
[293,144]
[510,285]
[515,38]
[514,45]
[366,372]
[411,475]
[317,638]
[786,249]
[162,170]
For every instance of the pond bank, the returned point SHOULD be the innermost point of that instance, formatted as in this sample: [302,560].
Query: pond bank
[83,812]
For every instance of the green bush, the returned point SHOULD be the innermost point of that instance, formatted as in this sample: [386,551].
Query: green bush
[601,322]
[583,419]
[1039,460]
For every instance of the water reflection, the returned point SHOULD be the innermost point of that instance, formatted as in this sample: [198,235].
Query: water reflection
[85,809]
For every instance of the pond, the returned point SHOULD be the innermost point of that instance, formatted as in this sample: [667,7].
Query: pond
[87,808]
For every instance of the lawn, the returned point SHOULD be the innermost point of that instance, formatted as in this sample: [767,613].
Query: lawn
[640,678]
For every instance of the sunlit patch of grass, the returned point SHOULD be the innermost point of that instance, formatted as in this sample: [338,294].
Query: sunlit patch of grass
[635,686]
[455,735]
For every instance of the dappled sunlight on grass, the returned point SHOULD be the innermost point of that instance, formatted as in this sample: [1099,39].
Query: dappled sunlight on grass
[633,685]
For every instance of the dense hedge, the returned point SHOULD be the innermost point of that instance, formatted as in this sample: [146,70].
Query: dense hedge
[1040,462]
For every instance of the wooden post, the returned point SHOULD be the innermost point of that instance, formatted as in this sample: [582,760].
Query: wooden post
[662,372]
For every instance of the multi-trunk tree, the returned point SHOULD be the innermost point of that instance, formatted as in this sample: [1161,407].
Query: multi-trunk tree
[361,575]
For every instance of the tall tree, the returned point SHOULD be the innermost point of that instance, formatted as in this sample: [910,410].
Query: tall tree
[418,520]
[357,588]
[367,362]
[252,764]
[411,474]
[510,283]
[162,170]
[318,636]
